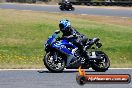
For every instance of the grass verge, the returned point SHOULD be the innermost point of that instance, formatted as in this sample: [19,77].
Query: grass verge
[22,34]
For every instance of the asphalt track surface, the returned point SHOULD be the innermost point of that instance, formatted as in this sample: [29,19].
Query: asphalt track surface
[78,10]
[67,79]
[45,79]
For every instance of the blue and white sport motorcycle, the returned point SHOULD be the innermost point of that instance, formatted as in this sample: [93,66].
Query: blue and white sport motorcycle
[62,54]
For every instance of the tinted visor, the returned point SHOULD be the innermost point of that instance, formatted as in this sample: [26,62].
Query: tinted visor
[61,26]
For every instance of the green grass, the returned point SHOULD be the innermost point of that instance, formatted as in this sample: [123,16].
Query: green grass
[22,34]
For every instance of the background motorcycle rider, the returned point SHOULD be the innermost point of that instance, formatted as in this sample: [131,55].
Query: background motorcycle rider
[73,36]
[65,3]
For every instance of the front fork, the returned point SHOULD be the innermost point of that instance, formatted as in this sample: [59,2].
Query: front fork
[55,56]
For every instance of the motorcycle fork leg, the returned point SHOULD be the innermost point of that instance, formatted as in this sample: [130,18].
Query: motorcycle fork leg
[55,56]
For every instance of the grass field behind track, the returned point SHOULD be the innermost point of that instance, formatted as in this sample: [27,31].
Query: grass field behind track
[22,34]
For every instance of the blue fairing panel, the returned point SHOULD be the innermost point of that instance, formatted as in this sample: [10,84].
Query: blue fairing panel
[63,46]
[51,39]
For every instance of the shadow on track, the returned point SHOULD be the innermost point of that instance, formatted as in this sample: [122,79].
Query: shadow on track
[46,71]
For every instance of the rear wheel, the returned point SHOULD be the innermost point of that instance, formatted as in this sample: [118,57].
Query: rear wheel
[73,8]
[52,64]
[101,65]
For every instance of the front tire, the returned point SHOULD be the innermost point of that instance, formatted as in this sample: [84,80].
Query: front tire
[96,65]
[52,65]
[61,8]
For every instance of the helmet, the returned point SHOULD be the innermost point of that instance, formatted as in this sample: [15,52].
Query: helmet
[64,24]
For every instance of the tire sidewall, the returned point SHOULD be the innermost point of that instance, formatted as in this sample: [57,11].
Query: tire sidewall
[97,68]
[48,67]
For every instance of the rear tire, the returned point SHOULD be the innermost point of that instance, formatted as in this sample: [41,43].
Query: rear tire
[95,65]
[73,8]
[48,66]
[61,8]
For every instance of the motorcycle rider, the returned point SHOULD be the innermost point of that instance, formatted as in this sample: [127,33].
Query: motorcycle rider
[72,35]
[65,3]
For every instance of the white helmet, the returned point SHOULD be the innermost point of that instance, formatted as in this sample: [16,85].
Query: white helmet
[66,0]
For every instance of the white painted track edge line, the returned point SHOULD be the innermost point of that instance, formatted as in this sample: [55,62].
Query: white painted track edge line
[46,69]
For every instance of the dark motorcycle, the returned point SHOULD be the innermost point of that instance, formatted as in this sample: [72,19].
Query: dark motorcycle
[62,54]
[66,7]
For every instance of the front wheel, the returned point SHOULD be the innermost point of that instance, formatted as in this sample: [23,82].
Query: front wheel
[54,64]
[101,65]
[61,8]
